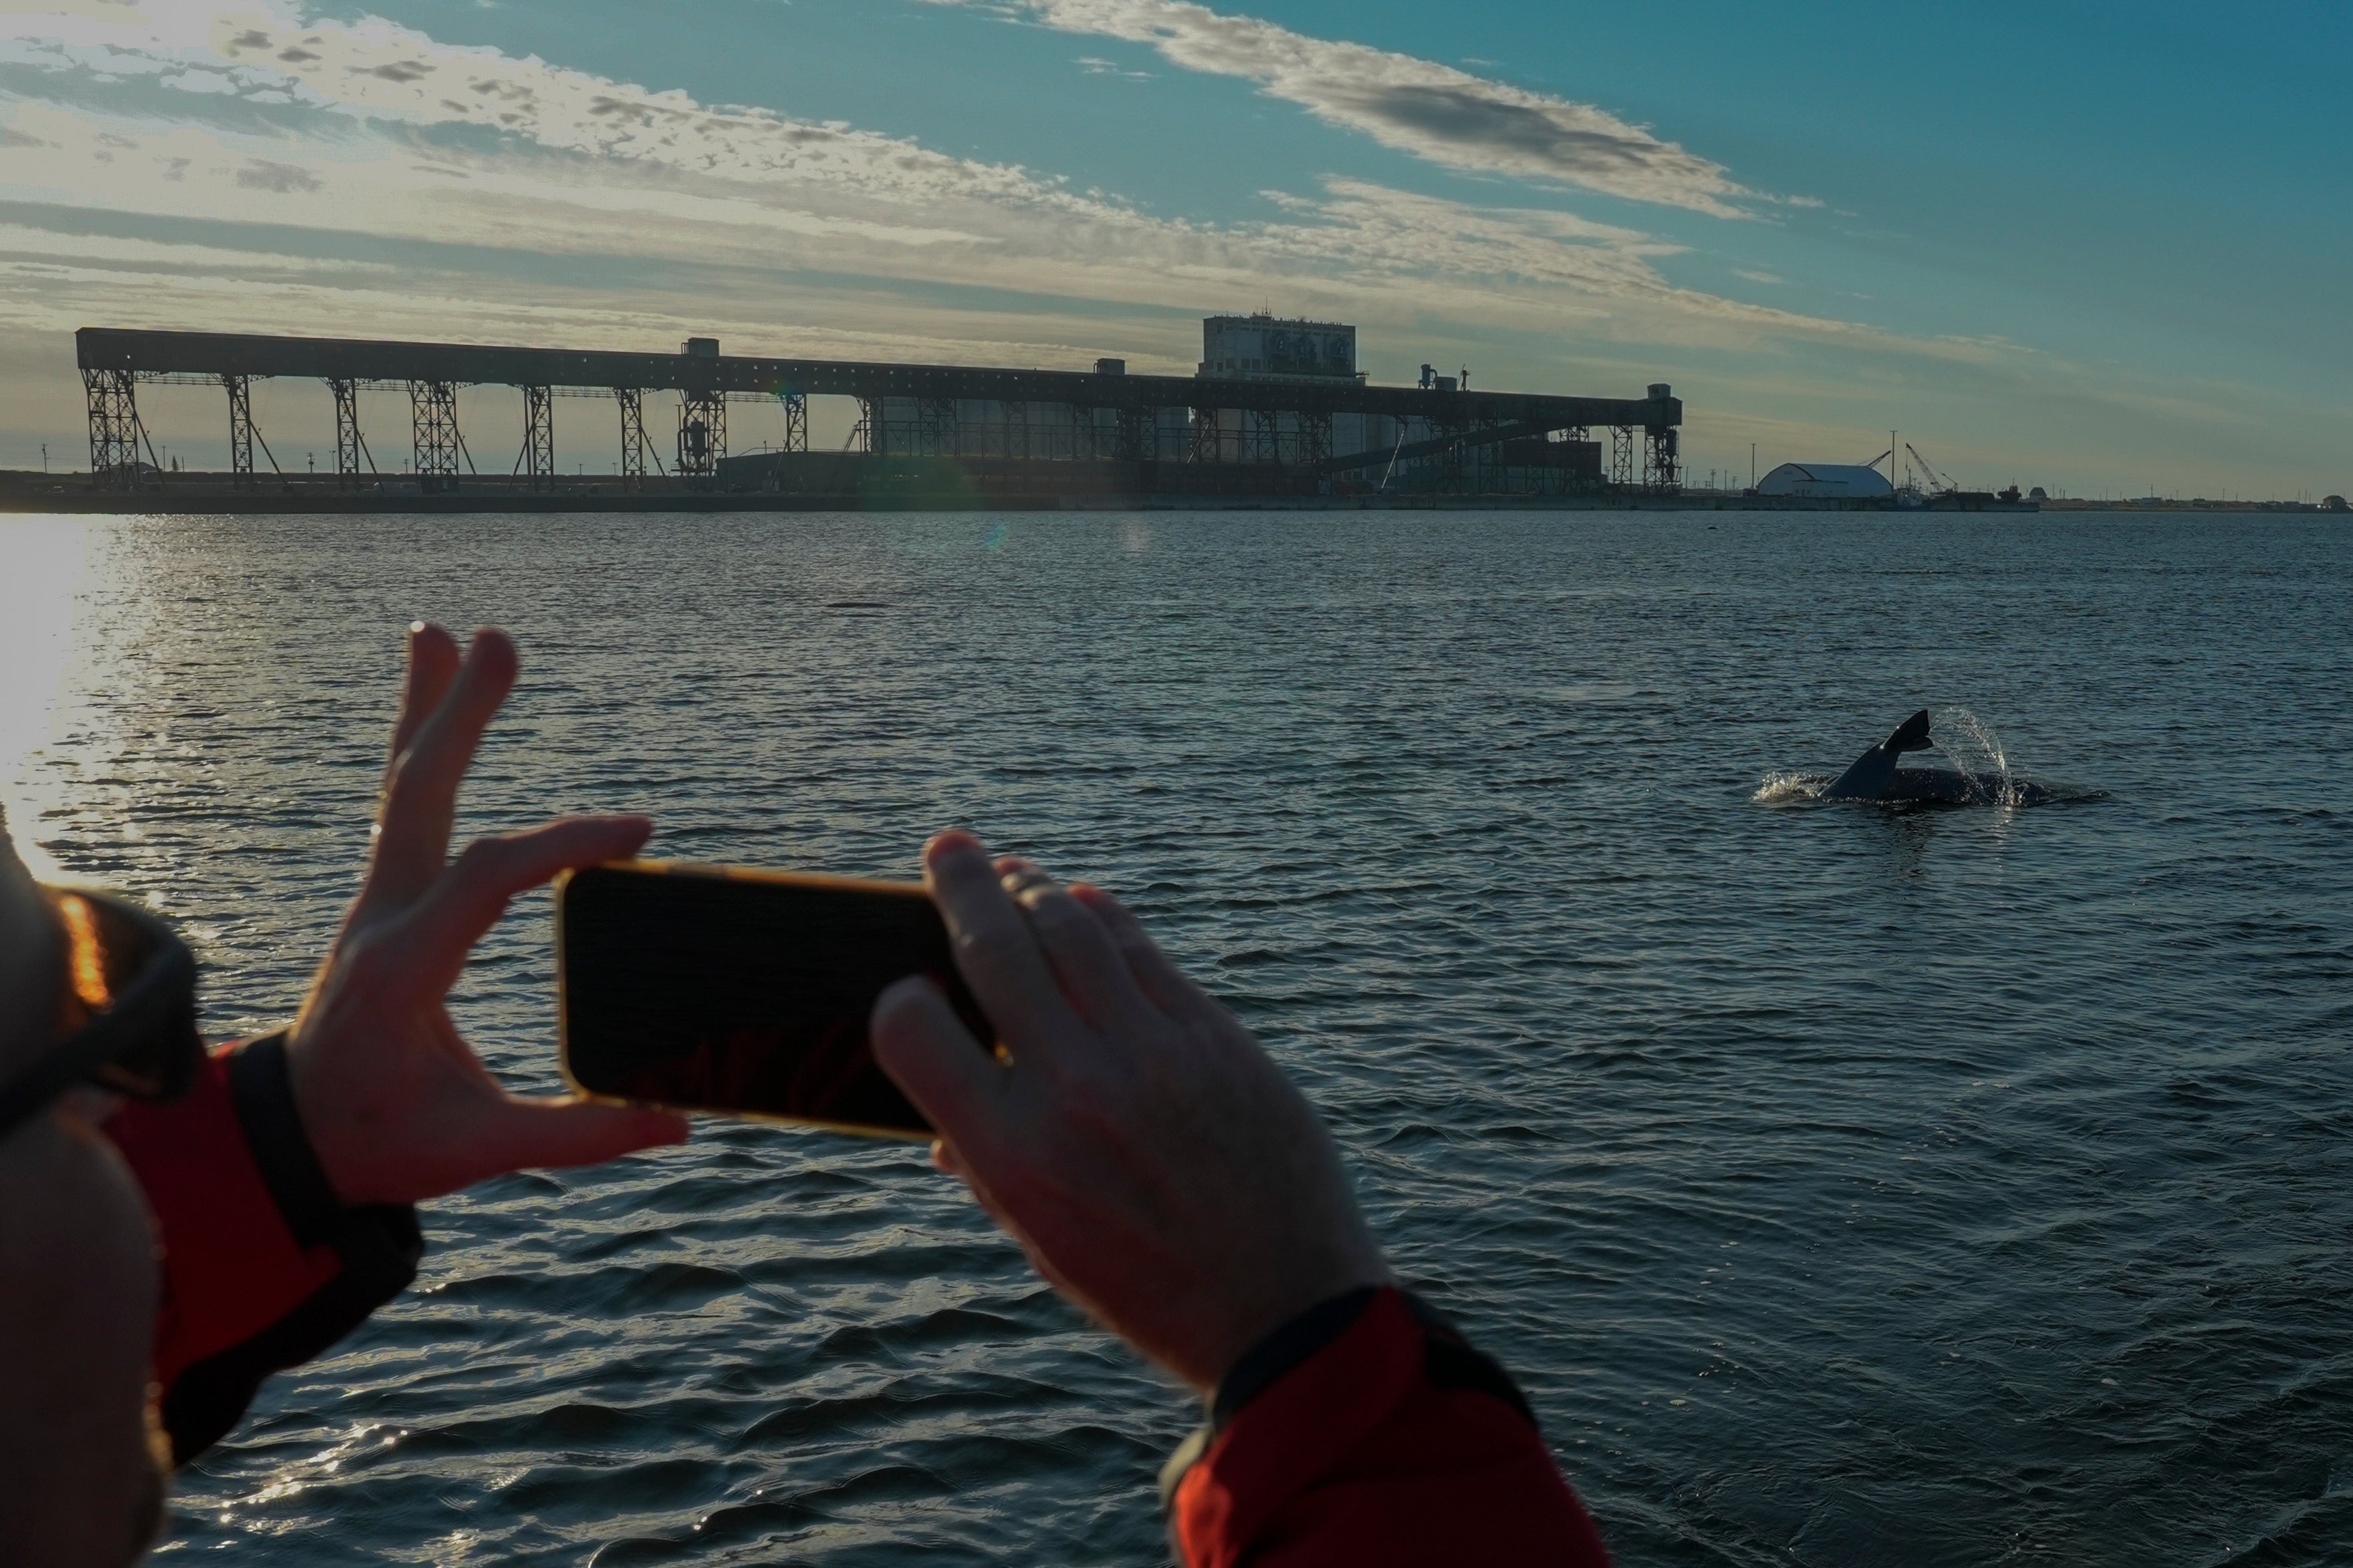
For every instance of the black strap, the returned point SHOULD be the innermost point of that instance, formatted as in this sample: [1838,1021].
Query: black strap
[1285,1348]
[262,1090]
[1448,1361]
[377,1246]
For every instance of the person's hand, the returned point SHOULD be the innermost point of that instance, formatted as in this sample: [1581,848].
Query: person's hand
[395,1103]
[1151,1158]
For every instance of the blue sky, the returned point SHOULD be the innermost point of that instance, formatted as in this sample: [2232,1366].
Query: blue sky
[2097,247]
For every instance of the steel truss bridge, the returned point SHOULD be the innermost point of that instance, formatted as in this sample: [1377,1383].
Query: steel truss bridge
[1448,439]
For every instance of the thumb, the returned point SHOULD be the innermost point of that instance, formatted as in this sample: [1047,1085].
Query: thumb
[952,1078]
[565,1130]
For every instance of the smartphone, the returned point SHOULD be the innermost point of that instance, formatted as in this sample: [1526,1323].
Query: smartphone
[743,993]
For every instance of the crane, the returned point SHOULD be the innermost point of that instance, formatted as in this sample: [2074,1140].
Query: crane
[1939,483]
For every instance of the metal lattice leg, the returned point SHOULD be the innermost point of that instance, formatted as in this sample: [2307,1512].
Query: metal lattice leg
[633,435]
[1265,436]
[349,447]
[1664,476]
[433,427]
[1205,435]
[702,432]
[113,429]
[240,429]
[538,462]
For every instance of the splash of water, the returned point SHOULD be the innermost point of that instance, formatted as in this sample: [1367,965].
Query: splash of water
[1779,789]
[1970,744]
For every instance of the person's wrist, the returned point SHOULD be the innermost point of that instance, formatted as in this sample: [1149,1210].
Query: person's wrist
[324,1132]
[1263,1312]
[265,1090]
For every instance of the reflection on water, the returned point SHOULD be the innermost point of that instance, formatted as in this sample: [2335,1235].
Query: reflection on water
[1849,1186]
[42,564]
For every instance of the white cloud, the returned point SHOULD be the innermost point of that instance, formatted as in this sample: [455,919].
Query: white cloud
[1418,106]
[384,132]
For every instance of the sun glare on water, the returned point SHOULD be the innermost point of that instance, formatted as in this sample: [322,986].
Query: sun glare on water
[43,561]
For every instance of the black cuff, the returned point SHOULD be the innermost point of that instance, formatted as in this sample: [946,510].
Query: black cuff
[1283,1349]
[262,1090]
[377,1246]
[1447,1362]
[1450,1360]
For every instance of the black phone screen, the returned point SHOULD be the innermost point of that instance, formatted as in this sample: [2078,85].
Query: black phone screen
[743,992]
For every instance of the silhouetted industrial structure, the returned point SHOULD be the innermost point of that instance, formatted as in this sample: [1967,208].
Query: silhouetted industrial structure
[1307,424]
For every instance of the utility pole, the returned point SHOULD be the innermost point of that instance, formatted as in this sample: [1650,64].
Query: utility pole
[1752,464]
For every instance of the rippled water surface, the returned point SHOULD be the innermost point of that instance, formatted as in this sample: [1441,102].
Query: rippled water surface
[1847,1185]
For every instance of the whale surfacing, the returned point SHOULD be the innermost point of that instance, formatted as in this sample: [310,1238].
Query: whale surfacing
[1876,776]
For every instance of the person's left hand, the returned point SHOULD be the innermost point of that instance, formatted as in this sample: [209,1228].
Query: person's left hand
[397,1106]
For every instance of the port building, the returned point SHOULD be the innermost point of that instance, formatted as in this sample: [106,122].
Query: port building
[1275,408]
[1825,481]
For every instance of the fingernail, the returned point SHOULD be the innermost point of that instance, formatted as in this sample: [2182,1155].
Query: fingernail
[955,841]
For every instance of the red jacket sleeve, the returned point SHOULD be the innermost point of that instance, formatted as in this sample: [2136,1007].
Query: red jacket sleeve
[1389,1441]
[263,1268]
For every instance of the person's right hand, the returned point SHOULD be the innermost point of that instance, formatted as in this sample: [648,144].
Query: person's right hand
[1151,1158]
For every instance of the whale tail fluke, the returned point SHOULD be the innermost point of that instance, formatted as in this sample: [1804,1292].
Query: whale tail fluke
[1911,735]
[1875,769]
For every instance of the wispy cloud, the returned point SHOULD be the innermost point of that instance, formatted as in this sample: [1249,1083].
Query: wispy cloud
[1422,106]
[346,142]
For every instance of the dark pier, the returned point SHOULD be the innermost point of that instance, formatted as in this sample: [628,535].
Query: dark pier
[979,432]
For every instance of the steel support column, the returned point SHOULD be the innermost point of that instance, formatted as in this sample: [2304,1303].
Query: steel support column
[349,446]
[113,429]
[935,435]
[702,432]
[796,405]
[433,430]
[1264,434]
[872,434]
[1621,455]
[1205,435]
[240,429]
[1663,474]
[1315,437]
[537,460]
[633,435]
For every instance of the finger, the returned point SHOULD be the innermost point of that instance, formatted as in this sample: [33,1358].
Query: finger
[995,948]
[567,1130]
[1017,872]
[432,665]
[1169,987]
[1094,973]
[422,799]
[444,925]
[952,1078]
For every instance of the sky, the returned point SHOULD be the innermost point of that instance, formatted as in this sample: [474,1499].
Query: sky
[2101,248]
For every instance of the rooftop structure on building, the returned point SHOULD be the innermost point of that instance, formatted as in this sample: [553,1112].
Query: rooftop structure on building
[1265,347]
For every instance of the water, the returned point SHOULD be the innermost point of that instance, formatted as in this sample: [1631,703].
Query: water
[1847,1185]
